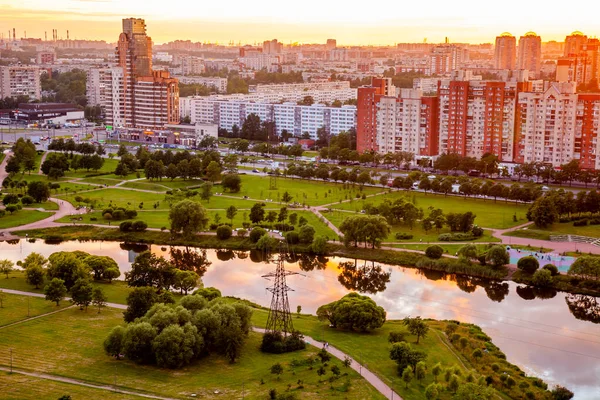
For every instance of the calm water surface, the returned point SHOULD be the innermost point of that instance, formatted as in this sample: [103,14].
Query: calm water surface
[548,334]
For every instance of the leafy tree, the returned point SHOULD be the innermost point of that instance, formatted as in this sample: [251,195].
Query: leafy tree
[257,213]
[151,270]
[232,183]
[34,275]
[213,171]
[6,267]
[139,301]
[407,375]
[561,393]
[497,256]
[434,252]
[319,245]
[209,293]
[188,217]
[206,191]
[473,391]
[67,266]
[432,391]
[306,234]
[543,212]
[586,267]
[174,347]
[185,280]
[436,370]
[405,356]
[113,344]
[417,327]
[38,190]
[98,299]
[528,264]
[542,278]
[364,228]
[354,312]
[137,342]
[420,370]
[190,259]
[81,293]
[224,232]
[55,290]
[101,266]
[286,198]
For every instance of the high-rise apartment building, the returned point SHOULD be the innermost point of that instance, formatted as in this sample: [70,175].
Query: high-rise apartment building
[445,58]
[530,53]
[505,51]
[581,61]
[132,93]
[272,47]
[366,112]
[16,80]
[331,44]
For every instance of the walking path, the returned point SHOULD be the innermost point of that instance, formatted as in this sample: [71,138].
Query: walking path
[32,318]
[364,372]
[82,383]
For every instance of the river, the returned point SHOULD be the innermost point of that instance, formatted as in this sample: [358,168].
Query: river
[552,335]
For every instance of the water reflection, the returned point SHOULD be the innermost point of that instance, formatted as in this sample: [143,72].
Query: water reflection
[536,330]
[364,278]
[585,308]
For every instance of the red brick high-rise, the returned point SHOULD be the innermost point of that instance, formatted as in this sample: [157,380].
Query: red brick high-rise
[366,112]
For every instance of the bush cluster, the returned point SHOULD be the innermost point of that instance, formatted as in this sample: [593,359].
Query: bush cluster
[403,236]
[455,237]
[135,226]
[274,342]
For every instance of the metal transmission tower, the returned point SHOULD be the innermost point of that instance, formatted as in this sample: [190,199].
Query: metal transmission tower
[279,319]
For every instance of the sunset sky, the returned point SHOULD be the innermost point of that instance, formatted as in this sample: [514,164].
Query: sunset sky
[307,21]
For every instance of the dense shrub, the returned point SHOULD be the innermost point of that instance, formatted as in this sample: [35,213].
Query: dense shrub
[139,226]
[542,278]
[455,237]
[126,226]
[224,232]
[27,200]
[528,264]
[292,237]
[256,234]
[283,227]
[403,236]
[477,231]
[552,268]
[582,222]
[434,252]
[274,342]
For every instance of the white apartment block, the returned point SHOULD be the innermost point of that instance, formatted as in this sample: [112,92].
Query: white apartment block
[287,116]
[549,126]
[20,81]
[259,61]
[105,88]
[219,84]
[297,87]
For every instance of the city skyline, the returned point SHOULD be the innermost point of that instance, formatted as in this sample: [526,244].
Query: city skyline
[247,23]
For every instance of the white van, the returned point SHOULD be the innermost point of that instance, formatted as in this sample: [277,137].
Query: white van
[415,185]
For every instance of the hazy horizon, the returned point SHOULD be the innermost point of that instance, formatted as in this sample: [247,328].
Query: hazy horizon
[312,21]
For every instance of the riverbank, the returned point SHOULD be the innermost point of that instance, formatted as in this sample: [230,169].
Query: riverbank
[401,257]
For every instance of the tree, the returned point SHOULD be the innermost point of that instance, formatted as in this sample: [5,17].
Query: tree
[306,234]
[2,297]
[257,213]
[224,232]
[497,256]
[213,171]
[543,212]
[562,393]
[286,198]
[174,347]
[139,301]
[102,267]
[586,267]
[98,299]
[137,342]
[277,369]
[354,312]
[151,270]
[232,182]
[420,370]
[113,344]
[34,275]
[206,191]
[319,245]
[188,217]
[81,293]
[542,278]
[528,264]
[473,391]
[55,290]
[407,375]
[67,266]
[38,190]
[435,252]
[6,267]
[436,370]
[417,327]
[432,391]
[230,213]
[405,356]
[370,229]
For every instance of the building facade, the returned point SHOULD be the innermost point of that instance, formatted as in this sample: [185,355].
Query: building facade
[530,54]
[20,81]
[505,52]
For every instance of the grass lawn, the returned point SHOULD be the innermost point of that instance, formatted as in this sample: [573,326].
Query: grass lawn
[22,217]
[47,205]
[108,167]
[160,218]
[101,181]
[337,217]
[564,228]
[120,197]
[70,344]
[179,183]
[301,190]
[116,291]
[498,215]
[15,308]
[372,349]
[22,387]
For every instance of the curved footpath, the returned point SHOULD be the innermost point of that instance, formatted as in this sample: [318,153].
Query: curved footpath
[377,383]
